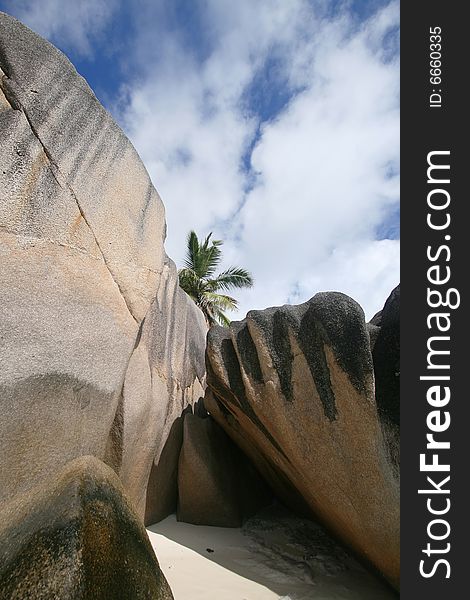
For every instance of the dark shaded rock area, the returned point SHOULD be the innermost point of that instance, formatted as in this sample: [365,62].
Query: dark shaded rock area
[162,489]
[386,355]
[76,537]
[217,485]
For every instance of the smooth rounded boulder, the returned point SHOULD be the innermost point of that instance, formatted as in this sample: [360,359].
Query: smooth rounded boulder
[77,538]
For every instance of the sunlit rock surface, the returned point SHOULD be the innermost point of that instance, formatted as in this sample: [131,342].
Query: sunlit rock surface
[294,388]
[100,349]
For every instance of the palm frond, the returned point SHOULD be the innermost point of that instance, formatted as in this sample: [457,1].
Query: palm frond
[190,282]
[210,256]
[234,277]
[220,300]
[222,318]
[192,251]
[203,258]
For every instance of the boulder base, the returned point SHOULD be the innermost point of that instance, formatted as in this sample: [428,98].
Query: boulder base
[77,538]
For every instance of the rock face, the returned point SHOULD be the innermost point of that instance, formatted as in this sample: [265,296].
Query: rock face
[294,388]
[216,484]
[100,349]
[77,538]
[386,355]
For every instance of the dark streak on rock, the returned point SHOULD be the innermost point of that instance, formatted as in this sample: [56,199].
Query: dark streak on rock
[274,325]
[329,319]
[386,354]
[236,388]
[282,352]
[312,341]
[5,64]
[7,87]
[342,320]
[114,443]
[232,368]
[247,351]
[145,208]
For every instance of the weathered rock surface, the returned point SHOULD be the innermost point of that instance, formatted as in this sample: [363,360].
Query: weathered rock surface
[386,355]
[76,537]
[100,349]
[301,550]
[294,388]
[216,484]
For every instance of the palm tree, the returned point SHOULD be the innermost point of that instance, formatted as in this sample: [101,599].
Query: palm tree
[199,281]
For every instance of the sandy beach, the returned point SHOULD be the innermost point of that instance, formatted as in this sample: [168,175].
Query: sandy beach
[265,560]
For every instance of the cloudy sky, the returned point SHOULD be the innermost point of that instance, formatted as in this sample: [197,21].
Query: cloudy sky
[272,123]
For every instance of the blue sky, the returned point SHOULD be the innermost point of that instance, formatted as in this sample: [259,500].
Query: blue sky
[273,123]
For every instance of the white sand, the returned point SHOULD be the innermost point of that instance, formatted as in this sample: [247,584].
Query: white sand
[190,570]
[262,566]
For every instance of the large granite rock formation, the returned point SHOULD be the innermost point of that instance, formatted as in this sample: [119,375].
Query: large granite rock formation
[76,537]
[294,388]
[100,349]
[216,484]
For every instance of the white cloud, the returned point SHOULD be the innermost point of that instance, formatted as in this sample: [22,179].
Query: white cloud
[365,270]
[325,182]
[326,166]
[72,25]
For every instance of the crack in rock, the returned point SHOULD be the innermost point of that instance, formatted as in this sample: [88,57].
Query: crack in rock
[59,177]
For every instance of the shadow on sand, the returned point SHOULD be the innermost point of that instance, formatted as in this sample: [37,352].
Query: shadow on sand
[294,558]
